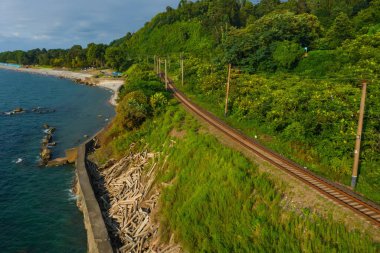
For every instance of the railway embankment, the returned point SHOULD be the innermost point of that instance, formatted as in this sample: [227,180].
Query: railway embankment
[332,191]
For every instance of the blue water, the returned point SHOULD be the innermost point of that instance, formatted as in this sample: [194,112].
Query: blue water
[38,212]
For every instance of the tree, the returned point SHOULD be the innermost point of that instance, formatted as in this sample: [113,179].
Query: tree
[220,13]
[76,57]
[252,47]
[117,58]
[158,102]
[20,57]
[302,6]
[132,110]
[362,56]
[96,54]
[287,53]
[43,58]
[247,12]
[265,7]
[369,16]
[341,29]
[32,56]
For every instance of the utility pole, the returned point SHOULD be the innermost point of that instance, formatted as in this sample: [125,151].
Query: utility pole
[166,77]
[359,136]
[182,68]
[159,66]
[227,90]
[155,64]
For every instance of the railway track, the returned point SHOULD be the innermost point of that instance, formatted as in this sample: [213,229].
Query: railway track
[332,191]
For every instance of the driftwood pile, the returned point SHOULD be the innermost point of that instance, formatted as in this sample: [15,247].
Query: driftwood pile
[128,200]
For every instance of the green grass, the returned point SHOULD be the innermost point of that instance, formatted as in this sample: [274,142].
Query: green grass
[218,201]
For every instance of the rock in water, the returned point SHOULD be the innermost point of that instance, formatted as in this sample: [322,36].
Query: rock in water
[18,110]
[45,155]
[50,130]
[47,138]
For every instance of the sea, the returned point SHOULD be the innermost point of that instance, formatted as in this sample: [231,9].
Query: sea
[38,211]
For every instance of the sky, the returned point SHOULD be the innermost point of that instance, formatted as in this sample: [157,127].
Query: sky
[29,24]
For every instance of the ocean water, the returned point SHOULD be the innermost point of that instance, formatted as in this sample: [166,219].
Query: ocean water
[38,212]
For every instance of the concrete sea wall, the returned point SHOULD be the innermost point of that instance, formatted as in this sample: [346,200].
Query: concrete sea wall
[97,235]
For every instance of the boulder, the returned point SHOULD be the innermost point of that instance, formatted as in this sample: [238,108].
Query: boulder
[47,138]
[45,154]
[18,110]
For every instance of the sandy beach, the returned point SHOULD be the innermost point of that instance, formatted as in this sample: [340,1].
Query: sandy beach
[80,77]
[113,85]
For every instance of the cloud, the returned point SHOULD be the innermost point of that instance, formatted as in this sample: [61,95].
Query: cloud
[29,24]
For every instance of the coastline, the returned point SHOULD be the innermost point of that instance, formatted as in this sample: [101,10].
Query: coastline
[97,236]
[79,77]
[75,111]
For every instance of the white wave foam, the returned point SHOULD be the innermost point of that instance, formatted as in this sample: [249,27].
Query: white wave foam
[71,194]
[18,160]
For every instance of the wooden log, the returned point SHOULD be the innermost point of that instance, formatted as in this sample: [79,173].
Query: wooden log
[142,225]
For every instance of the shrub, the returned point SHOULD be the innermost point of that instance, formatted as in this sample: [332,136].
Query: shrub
[287,53]
[158,102]
[132,110]
[294,131]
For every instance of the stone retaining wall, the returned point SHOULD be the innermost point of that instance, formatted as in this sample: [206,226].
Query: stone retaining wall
[97,235]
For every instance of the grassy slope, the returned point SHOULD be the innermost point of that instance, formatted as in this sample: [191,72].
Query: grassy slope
[218,201]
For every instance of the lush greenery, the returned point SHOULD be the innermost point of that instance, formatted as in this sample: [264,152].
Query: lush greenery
[310,120]
[297,72]
[297,65]
[75,57]
[295,86]
[215,200]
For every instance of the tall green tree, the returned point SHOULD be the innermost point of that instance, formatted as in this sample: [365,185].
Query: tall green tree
[76,57]
[252,47]
[287,53]
[96,54]
[341,29]
[265,7]
[117,58]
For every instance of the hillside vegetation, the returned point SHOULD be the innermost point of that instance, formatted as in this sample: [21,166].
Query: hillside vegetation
[212,198]
[297,72]
[296,79]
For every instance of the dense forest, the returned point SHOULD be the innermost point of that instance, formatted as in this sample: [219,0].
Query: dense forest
[268,36]
[297,69]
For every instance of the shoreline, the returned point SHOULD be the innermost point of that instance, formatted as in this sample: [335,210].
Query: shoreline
[78,77]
